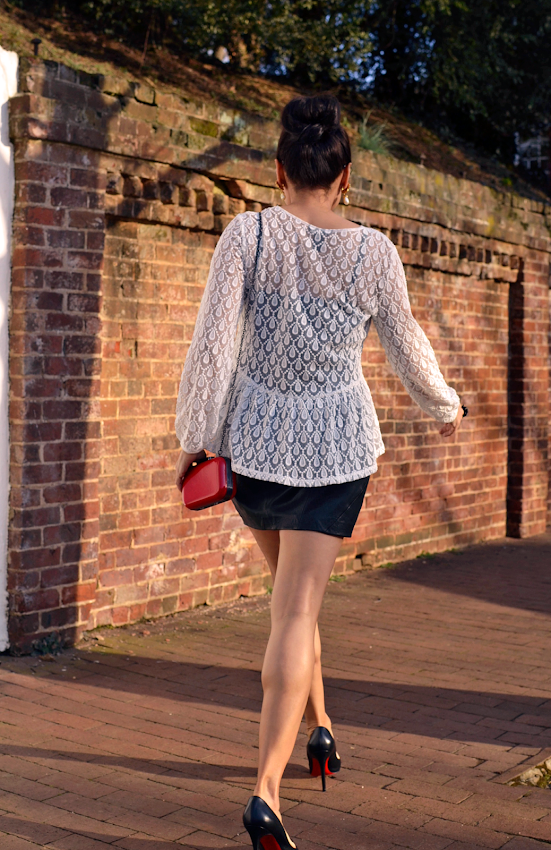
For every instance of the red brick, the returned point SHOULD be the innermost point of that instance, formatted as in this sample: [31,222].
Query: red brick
[83,219]
[65,238]
[59,575]
[45,216]
[64,280]
[49,301]
[37,600]
[78,593]
[59,618]
[62,451]
[42,473]
[68,198]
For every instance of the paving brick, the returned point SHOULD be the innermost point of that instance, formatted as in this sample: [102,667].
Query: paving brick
[79,842]
[417,788]
[524,844]
[476,835]
[40,833]
[391,813]
[404,836]
[513,824]
[13,842]
[330,836]
[21,767]
[461,845]
[70,822]
[25,787]
[119,815]
[204,840]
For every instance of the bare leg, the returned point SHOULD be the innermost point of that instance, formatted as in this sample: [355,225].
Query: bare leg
[315,713]
[269,545]
[304,565]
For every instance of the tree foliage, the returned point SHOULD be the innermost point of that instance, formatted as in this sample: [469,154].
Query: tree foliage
[480,69]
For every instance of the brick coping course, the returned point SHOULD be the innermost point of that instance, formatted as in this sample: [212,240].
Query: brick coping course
[438,684]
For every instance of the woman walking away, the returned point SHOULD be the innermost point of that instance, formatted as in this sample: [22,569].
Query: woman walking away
[273,380]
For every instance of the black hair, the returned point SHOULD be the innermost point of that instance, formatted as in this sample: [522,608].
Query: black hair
[313,147]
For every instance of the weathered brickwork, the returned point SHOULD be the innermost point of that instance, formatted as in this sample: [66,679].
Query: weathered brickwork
[54,384]
[431,491]
[153,559]
[121,193]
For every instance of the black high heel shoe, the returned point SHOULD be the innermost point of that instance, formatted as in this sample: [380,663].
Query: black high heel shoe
[264,827]
[323,758]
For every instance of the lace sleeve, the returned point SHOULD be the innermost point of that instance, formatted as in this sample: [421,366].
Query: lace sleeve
[408,350]
[208,366]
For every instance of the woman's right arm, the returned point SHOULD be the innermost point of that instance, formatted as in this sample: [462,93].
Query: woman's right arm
[207,369]
[408,350]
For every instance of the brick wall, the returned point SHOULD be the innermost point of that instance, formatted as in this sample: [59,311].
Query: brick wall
[121,193]
[154,559]
[431,493]
[54,383]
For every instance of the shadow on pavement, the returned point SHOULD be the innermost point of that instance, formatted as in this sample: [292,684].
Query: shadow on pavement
[161,766]
[443,713]
[513,573]
[30,830]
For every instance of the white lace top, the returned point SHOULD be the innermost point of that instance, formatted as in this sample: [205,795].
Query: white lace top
[300,411]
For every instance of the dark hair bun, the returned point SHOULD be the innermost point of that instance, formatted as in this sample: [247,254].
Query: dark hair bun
[313,147]
[311,118]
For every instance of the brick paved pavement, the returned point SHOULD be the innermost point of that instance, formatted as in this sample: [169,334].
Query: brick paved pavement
[438,683]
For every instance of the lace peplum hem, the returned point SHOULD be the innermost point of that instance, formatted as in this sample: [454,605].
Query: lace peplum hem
[302,440]
[292,481]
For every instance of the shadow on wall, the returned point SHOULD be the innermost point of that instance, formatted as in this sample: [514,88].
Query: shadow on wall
[515,404]
[55,364]
[55,354]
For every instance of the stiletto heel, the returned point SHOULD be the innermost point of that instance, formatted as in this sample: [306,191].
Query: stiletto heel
[260,838]
[321,750]
[264,827]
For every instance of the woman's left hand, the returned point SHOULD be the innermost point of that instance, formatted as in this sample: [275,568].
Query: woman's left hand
[451,427]
[184,462]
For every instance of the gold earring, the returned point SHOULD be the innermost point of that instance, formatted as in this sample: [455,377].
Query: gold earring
[281,188]
[345,198]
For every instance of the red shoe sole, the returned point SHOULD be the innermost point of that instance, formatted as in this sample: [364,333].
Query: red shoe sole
[269,843]
[316,769]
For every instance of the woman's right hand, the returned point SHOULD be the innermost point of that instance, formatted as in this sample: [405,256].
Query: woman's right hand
[184,462]
[449,429]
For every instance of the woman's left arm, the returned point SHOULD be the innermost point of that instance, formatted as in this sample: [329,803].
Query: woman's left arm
[408,349]
[208,366]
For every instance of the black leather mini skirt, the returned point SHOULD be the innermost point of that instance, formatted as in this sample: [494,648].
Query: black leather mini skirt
[331,509]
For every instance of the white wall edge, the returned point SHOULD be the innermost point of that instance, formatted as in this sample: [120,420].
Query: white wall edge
[8,88]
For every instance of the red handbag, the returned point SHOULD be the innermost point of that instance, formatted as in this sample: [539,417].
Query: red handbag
[210,480]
